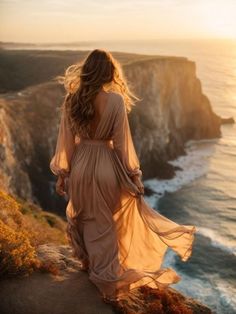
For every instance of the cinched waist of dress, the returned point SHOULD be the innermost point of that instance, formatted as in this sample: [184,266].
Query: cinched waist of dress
[107,142]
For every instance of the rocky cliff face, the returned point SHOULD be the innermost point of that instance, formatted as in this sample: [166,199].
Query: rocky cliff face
[28,131]
[172,110]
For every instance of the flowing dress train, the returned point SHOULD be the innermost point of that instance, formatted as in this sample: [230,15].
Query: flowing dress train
[110,226]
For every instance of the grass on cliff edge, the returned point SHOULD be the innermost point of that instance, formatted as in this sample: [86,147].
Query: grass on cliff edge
[23,227]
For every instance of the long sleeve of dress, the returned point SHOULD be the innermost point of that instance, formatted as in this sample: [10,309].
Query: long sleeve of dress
[60,162]
[123,143]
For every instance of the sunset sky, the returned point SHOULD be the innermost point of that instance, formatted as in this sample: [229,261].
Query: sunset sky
[53,21]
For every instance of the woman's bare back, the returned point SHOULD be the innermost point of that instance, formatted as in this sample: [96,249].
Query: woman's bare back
[100,104]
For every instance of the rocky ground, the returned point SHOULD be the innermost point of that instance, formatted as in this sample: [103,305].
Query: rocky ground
[69,291]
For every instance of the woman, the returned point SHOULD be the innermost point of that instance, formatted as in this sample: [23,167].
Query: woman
[117,237]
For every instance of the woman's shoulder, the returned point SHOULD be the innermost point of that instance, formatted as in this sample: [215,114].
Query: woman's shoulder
[118,103]
[115,94]
[117,97]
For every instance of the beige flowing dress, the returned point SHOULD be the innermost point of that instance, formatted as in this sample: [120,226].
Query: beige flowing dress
[109,224]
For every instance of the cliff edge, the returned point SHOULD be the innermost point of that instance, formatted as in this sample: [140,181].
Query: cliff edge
[38,273]
[173,109]
[70,291]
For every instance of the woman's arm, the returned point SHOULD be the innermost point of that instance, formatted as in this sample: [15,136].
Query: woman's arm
[123,145]
[60,162]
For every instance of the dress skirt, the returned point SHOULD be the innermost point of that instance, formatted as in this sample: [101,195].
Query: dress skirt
[114,231]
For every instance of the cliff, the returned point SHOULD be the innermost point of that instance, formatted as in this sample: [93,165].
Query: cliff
[70,291]
[172,111]
[28,130]
[38,273]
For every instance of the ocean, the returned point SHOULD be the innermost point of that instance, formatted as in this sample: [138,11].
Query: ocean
[204,193]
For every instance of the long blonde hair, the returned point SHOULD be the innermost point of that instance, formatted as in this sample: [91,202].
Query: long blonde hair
[85,79]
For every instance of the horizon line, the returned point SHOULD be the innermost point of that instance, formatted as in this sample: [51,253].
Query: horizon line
[117,40]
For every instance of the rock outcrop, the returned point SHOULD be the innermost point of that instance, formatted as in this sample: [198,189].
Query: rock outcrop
[70,291]
[28,130]
[39,274]
[172,110]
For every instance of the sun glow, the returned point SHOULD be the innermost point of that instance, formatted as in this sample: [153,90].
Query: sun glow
[220,19]
[66,21]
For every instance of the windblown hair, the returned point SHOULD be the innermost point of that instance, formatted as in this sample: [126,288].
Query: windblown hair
[84,80]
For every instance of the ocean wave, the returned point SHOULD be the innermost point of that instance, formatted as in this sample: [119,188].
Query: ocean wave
[217,240]
[227,294]
[194,165]
[220,298]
